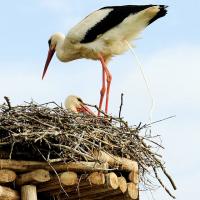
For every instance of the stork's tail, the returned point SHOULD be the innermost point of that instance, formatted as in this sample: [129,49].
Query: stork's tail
[161,13]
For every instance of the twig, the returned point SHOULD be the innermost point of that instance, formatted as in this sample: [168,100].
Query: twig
[8,102]
[161,183]
[121,104]
[54,172]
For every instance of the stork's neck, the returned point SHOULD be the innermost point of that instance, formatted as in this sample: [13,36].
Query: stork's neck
[60,46]
[65,50]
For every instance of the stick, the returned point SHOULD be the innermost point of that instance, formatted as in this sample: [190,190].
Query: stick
[161,183]
[120,108]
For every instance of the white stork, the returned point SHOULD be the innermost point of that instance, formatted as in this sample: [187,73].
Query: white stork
[76,104]
[102,35]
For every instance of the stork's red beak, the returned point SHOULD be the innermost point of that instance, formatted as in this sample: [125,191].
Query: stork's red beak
[85,109]
[49,57]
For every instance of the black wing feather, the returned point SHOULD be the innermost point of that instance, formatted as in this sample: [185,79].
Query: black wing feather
[115,17]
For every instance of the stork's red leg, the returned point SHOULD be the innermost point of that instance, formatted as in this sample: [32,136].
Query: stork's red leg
[103,89]
[108,79]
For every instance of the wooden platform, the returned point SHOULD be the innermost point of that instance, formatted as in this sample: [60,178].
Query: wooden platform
[30,180]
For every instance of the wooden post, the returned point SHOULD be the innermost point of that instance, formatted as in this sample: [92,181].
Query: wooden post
[36,176]
[7,176]
[8,194]
[28,192]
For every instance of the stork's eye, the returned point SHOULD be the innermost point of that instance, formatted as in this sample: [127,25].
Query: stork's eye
[49,42]
[80,100]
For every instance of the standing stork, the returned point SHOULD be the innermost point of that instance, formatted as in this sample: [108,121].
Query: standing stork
[102,35]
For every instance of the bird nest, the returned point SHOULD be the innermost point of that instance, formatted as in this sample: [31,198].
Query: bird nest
[48,132]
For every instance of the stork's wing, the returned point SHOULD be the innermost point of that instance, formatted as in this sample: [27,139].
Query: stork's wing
[104,19]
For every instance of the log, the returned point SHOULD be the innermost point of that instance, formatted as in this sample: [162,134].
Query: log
[112,180]
[7,176]
[8,194]
[68,178]
[132,191]
[28,192]
[97,178]
[25,166]
[34,177]
[134,177]
[53,186]
[122,184]
[122,163]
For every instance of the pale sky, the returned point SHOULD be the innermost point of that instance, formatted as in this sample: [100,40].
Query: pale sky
[169,50]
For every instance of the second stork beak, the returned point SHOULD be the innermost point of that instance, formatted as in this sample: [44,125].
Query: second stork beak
[85,109]
[49,57]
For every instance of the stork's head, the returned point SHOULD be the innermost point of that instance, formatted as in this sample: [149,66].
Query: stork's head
[53,43]
[76,104]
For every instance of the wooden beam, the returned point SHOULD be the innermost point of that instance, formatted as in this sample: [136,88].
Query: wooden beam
[34,177]
[7,176]
[28,192]
[8,194]
[115,161]
[25,166]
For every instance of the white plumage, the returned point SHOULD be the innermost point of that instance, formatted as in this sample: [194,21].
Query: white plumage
[75,104]
[103,34]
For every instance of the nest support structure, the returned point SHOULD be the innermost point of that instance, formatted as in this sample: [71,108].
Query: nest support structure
[50,153]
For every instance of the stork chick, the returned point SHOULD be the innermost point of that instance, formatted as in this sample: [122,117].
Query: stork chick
[76,104]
